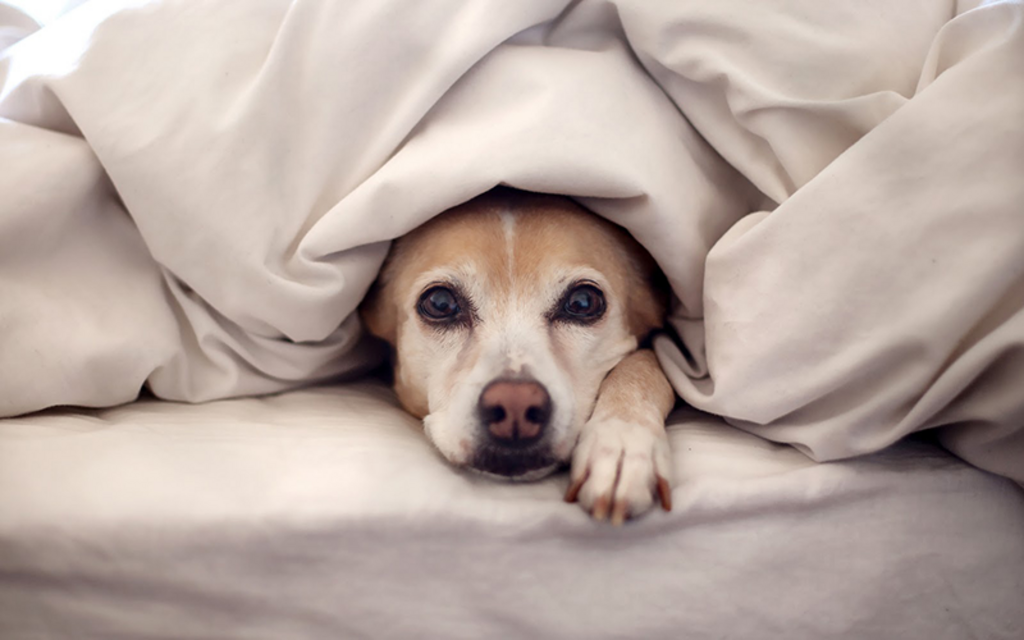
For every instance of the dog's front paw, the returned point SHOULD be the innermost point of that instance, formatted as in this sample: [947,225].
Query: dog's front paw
[618,468]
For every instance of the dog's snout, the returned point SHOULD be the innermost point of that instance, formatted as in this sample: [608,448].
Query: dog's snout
[514,412]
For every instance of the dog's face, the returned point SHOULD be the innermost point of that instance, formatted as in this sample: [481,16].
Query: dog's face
[505,314]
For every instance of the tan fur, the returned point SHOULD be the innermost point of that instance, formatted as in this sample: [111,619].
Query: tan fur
[636,389]
[514,251]
[545,221]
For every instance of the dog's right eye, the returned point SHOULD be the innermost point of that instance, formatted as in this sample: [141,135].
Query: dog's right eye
[439,303]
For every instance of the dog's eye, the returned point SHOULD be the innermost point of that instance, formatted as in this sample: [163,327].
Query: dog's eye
[439,303]
[584,302]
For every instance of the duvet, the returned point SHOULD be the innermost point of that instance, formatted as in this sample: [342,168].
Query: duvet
[195,196]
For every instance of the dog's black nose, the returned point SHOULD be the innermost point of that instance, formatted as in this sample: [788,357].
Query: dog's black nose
[514,412]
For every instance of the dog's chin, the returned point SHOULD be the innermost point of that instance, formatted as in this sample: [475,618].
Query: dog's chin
[521,465]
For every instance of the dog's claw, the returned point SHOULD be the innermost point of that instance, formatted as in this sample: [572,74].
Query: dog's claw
[619,513]
[572,494]
[664,493]
[601,508]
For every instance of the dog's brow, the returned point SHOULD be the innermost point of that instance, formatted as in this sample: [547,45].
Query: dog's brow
[444,277]
[568,277]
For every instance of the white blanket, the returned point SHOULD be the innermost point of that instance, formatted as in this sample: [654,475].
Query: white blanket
[196,195]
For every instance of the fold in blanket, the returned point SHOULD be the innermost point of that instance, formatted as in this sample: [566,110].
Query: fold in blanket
[196,196]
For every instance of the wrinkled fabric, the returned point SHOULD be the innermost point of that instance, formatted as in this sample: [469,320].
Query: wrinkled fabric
[325,513]
[196,195]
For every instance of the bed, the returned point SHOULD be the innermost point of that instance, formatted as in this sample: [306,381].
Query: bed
[196,196]
[324,513]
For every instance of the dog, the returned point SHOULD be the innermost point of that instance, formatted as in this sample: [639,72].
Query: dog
[516,322]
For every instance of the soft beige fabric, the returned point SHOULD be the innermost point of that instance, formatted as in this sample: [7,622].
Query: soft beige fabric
[325,514]
[884,294]
[15,24]
[197,194]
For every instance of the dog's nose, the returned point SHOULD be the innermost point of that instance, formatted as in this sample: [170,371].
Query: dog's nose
[514,412]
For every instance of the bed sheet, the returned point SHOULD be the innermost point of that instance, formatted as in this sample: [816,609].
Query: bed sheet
[324,513]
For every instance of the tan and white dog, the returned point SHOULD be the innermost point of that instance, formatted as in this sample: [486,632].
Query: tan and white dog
[516,320]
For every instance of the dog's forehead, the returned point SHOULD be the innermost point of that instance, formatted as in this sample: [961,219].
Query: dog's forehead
[510,246]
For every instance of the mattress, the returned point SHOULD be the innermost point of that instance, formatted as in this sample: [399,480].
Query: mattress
[324,513]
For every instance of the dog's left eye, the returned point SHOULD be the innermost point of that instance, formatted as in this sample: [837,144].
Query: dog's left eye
[439,303]
[584,302]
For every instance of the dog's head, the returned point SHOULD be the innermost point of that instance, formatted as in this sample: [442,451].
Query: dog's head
[505,314]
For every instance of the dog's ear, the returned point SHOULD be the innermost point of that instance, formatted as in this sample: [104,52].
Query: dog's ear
[649,295]
[647,309]
[378,313]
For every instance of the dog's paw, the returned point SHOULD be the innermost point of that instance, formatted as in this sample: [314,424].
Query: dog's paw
[618,468]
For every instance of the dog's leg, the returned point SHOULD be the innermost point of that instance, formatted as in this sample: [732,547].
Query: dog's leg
[622,459]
